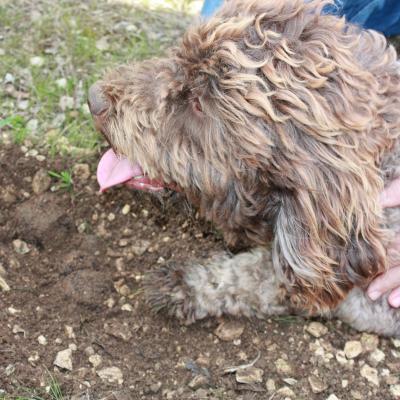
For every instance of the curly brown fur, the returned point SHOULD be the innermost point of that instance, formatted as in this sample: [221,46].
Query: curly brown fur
[280,123]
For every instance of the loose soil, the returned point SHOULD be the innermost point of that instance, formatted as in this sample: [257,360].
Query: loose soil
[79,286]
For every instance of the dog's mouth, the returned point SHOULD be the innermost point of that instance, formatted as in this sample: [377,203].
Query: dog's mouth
[113,170]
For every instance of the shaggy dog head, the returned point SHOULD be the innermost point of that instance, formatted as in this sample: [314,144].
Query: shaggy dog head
[271,117]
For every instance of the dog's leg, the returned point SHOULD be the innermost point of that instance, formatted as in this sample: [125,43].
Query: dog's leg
[241,285]
[362,314]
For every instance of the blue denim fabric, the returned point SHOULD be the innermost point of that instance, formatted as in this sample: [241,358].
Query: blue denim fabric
[381,15]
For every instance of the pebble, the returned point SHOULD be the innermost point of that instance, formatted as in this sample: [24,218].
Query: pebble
[316,329]
[4,285]
[317,385]
[199,381]
[370,374]
[249,375]
[353,349]
[42,340]
[23,105]
[332,397]
[69,331]
[20,246]
[37,61]
[33,358]
[81,171]
[102,44]
[369,341]
[12,311]
[376,357]
[111,217]
[64,359]
[285,391]
[270,385]
[282,366]
[66,103]
[127,307]
[41,181]
[396,342]
[395,391]
[61,83]
[140,247]
[229,330]
[111,375]
[125,209]
[95,360]
[32,125]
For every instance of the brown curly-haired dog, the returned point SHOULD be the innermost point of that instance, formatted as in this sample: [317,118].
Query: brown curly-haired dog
[281,123]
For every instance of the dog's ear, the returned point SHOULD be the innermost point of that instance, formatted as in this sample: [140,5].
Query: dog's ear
[327,239]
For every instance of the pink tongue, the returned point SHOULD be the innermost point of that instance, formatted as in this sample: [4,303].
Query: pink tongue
[113,170]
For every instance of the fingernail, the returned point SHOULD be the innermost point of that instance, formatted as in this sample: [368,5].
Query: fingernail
[395,301]
[374,295]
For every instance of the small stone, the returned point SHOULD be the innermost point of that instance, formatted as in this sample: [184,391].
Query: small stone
[102,44]
[282,366]
[229,330]
[23,105]
[32,125]
[290,381]
[118,330]
[369,341]
[89,351]
[37,61]
[353,349]
[285,391]
[42,340]
[12,311]
[355,394]
[4,285]
[9,78]
[61,83]
[316,329]
[199,381]
[33,358]
[270,385]
[145,213]
[125,209]
[317,385]
[140,247]
[111,217]
[81,171]
[127,307]
[64,359]
[40,158]
[249,375]
[396,342]
[95,360]
[155,387]
[370,374]
[332,397]
[73,347]
[395,391]
[41,181]
[17,329]
[66,103]
[123,242]
[20,246]
[376,357]
[345,383]
[111,375]
[69,331]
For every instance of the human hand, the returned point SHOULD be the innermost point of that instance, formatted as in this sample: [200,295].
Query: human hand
[390,280]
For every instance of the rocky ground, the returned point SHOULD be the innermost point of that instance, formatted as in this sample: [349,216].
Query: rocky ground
[72,311]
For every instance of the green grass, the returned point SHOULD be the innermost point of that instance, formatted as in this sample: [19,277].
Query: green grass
[52,392]
[69,36]
[64,179]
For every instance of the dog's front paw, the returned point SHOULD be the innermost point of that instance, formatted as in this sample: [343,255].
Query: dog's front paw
[166,290]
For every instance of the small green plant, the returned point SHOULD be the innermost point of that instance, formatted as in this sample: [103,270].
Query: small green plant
[17,124]
[64,178]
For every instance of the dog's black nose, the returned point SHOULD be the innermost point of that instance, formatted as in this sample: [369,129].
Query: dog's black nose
[96,100]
